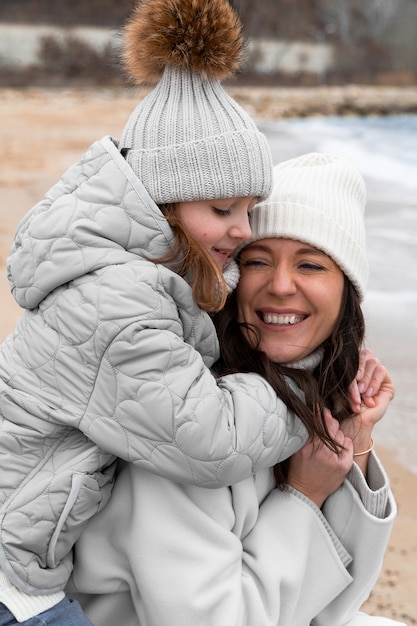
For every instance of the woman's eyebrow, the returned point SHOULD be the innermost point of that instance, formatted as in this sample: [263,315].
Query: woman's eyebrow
[257,246]
[311,250]
[304,250]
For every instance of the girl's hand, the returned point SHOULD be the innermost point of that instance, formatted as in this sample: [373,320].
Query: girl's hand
[371,393]
[372,377]
[315,470]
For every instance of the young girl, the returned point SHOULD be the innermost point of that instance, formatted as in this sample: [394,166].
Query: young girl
[118,268]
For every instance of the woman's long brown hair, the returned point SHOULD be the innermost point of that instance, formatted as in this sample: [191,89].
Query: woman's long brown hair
[324,387]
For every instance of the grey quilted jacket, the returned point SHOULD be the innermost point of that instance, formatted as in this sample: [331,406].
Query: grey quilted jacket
[110,359]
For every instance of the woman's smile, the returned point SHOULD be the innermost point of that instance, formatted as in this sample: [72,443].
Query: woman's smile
[271,318]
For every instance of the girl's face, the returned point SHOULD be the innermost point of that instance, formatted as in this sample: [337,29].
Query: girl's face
[291,293]
[218,225]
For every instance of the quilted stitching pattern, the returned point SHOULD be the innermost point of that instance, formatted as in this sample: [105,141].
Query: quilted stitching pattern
[107,361]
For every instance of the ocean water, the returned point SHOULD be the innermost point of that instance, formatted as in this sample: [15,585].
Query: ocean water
[384,149]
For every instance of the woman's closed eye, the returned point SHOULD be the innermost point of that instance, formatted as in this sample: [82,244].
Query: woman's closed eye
[255,262]
[311,267]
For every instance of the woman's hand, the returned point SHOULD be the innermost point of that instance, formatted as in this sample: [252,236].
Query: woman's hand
[315,470]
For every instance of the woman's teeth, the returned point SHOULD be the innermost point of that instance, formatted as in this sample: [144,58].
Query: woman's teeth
[281,320]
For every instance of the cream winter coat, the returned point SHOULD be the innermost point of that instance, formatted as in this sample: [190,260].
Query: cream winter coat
[110,359]
[165,554]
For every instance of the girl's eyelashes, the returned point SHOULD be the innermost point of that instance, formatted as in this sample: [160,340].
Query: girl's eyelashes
[222,212]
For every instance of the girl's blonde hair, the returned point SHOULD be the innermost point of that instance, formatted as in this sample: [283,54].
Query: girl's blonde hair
[188,256]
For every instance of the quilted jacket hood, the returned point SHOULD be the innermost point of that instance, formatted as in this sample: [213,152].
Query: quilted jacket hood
[76,228]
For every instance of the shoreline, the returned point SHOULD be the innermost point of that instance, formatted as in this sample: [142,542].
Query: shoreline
[348,100]
[263,102]
[44,131]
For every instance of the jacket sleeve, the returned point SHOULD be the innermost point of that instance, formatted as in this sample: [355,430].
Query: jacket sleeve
[156,403]
[362,516]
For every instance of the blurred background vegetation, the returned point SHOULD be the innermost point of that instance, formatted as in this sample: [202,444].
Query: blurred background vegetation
[290,42]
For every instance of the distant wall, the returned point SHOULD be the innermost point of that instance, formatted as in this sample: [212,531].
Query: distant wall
[269,55]
[19,44]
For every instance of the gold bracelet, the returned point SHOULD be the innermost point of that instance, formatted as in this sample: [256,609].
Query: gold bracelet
[371,447]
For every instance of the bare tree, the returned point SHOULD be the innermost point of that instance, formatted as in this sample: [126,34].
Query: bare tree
[336,15]
[354,20]
[358,28]
[285,19]
[378,15]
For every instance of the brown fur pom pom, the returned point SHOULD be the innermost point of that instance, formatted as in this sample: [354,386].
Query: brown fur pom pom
[200,35]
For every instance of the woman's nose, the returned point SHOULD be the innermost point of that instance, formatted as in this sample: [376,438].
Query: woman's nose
[282,282]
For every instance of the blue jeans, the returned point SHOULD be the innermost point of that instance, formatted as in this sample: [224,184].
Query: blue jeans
[65,613]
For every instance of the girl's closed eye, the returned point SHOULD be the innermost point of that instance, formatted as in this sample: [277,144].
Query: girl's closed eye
[222,212]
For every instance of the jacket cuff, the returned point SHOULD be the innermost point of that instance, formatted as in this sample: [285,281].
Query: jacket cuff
[374,489]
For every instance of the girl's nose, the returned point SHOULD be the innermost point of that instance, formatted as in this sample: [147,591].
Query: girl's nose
[241,228]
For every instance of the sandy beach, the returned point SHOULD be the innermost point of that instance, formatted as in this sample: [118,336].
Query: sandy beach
[42,133]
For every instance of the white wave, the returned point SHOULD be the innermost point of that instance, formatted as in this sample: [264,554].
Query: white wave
[405,295]
[378,166]
[384,149]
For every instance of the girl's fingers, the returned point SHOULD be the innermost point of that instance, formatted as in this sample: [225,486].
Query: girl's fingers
[371,375]
[355,397]
[367,374]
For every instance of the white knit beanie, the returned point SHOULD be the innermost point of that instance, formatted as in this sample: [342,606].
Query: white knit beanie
[319,199]
[188,139]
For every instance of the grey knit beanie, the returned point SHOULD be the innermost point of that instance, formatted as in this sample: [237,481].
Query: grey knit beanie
[320,199]
[188,139]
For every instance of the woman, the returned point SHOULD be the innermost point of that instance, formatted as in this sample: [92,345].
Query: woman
[303,545]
